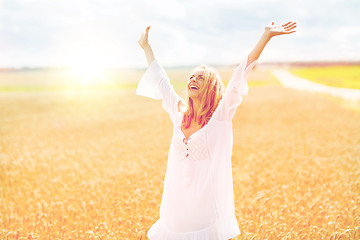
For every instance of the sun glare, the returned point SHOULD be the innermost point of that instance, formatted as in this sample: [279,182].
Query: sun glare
[89,74]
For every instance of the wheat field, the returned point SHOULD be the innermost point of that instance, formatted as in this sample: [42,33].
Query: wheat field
[335,76]
[91,164]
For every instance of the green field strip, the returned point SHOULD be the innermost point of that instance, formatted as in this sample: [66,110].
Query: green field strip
[335,76]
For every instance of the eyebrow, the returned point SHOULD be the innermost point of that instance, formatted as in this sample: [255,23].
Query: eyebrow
[198,76]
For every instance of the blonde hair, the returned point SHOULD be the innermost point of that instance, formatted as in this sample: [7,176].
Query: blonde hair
[210,96]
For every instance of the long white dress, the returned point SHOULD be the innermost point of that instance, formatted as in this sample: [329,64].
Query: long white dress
[198,196]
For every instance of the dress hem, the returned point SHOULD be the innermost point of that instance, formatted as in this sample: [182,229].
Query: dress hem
[222,229]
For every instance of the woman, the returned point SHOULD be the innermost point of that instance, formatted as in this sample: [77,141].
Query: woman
[198,198]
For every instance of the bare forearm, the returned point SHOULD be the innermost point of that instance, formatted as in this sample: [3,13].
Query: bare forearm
[149,54]
[255,53]
[270,31]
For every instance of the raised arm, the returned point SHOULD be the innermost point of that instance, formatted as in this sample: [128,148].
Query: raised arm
[144,43]
[269,32]
[237,86]
[155,83]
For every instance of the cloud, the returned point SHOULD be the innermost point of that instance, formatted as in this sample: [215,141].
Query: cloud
[184,32]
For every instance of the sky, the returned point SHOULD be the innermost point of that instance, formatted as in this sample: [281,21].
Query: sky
[51,33]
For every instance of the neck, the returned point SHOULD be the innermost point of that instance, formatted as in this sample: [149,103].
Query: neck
[196,106]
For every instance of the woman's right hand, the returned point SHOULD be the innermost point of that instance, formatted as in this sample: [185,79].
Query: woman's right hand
[144,42]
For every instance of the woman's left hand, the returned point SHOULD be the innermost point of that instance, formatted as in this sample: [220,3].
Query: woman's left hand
[275,30]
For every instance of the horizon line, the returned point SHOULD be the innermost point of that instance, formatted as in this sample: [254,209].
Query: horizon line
[267,63]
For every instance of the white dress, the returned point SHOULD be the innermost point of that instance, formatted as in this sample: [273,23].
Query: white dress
[198,196]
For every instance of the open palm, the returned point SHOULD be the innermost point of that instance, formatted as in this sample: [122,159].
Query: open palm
[275,30]
[144,38]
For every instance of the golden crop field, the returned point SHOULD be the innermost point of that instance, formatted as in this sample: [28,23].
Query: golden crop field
[91,164]
[335,76]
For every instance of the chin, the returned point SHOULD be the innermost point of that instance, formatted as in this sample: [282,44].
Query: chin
[193,95]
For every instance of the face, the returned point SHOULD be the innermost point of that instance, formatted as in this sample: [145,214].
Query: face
[195,83]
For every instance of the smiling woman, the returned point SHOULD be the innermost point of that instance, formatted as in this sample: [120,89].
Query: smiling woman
[198,197]
[205,89]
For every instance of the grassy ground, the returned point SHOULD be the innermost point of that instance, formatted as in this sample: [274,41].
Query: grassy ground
[336,76]
[91,165]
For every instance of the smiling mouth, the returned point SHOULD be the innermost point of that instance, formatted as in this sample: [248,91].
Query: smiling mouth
[194,87]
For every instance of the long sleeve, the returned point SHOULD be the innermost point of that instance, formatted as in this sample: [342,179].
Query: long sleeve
[155,84]
[235,90]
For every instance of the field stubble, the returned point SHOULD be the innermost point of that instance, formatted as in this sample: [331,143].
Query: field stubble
[91,166]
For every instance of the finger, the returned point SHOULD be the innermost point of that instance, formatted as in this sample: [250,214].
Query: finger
[290,28]
[146,34]
[284,25]
[294,23]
